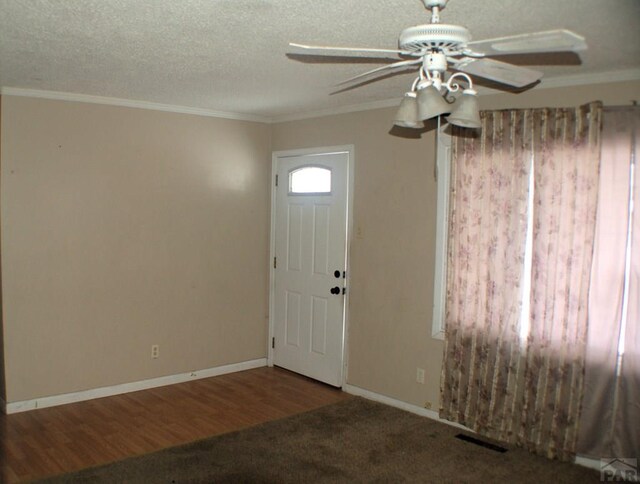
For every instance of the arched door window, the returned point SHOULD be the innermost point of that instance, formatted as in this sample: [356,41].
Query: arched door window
[310,180]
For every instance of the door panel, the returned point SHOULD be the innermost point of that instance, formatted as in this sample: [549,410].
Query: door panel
[321,244]
[319,325]
[292,322]
[310,245]
[294,227]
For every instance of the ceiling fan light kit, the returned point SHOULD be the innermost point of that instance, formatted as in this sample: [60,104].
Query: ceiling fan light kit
[437,48]
[431,103]
[407,115]
[466,114]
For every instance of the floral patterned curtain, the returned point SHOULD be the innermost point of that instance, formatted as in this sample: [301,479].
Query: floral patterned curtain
[566,171]
[485,265]
[520,390]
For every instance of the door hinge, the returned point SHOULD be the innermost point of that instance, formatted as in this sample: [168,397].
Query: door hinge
[276,180]
[273,342]
[275,262]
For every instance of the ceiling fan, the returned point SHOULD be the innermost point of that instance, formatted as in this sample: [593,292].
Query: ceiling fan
[436,48]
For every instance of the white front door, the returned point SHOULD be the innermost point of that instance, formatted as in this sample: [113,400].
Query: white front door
[310,264]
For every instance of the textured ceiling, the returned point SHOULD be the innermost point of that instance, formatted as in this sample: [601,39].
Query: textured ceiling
[230,55]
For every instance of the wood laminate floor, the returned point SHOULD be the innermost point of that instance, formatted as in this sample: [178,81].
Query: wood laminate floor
[56,440]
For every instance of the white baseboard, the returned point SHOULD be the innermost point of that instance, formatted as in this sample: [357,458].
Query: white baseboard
[52,401]
[598,464]
[603,465]
[361,392]
[588,462]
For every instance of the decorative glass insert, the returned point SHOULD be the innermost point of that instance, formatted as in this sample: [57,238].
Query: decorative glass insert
[310,179]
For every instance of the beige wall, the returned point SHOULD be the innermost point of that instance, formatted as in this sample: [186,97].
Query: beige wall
[393,248]
[123,228]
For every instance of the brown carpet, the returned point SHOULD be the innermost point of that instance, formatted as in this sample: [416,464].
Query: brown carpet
[352,441]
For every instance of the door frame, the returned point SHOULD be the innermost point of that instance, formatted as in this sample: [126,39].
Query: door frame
[324,150]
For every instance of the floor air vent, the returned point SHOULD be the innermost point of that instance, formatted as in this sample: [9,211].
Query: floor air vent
[481,443]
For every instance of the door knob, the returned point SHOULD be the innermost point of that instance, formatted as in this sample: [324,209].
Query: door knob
[335,290]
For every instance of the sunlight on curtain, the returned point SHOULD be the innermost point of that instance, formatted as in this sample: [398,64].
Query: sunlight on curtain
[525,315]
[566,166]
[485,384]
[481,382]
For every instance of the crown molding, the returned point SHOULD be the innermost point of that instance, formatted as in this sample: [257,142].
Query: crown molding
[621,75]
[129,103]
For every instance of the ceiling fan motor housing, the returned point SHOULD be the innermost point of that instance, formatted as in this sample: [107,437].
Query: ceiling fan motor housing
[435,61]
[449,39]
[435,3]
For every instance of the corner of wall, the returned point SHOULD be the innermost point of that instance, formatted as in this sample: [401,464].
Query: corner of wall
[3,392]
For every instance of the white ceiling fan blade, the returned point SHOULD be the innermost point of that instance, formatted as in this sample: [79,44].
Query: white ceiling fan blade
[380,69]
[344,51]
[549,41]
[499,71]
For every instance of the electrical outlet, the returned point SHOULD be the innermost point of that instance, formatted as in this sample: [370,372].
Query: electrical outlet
[155,351]
[420,375]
